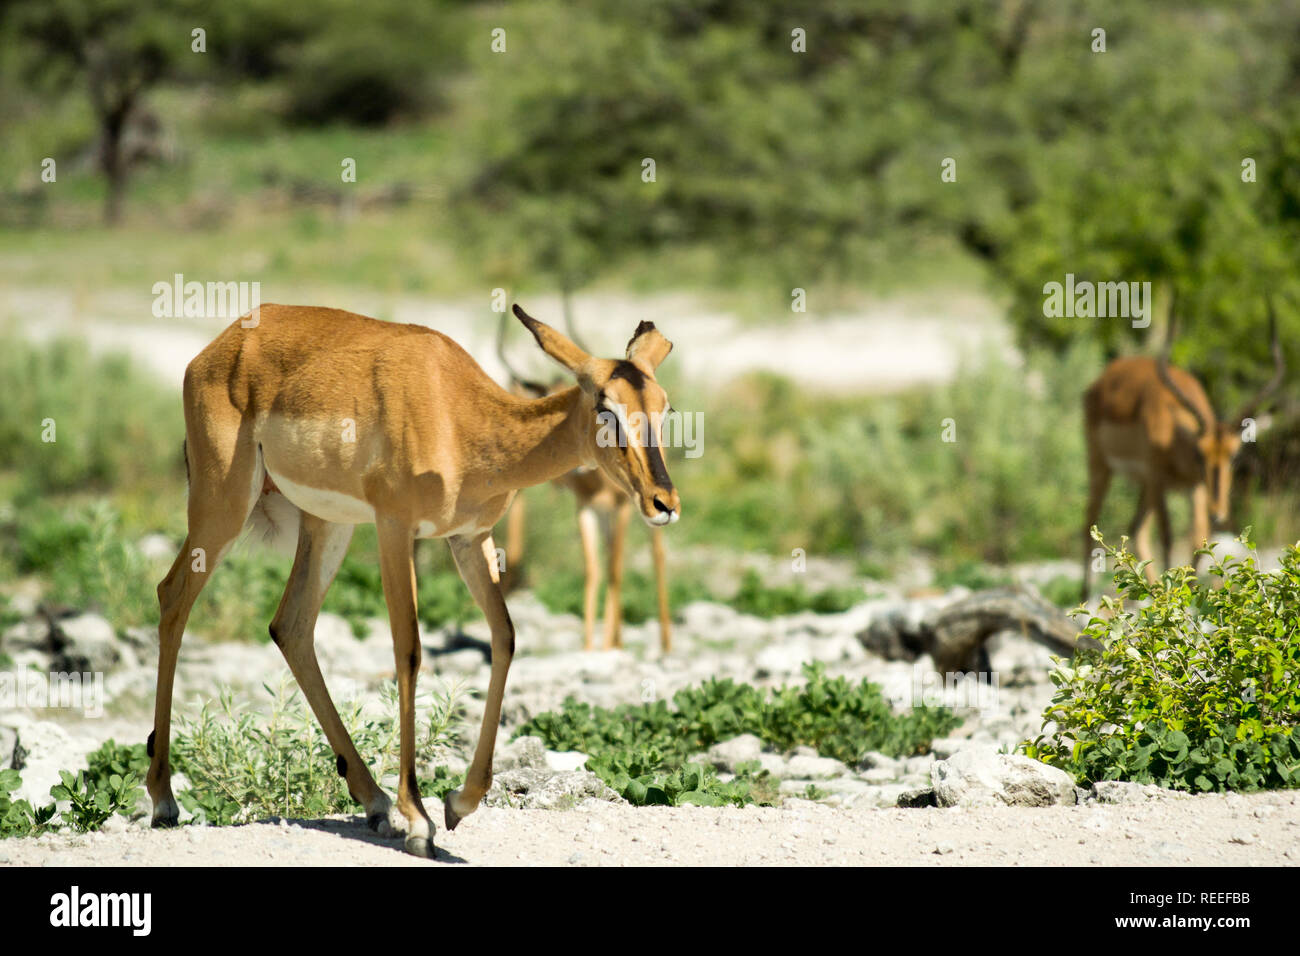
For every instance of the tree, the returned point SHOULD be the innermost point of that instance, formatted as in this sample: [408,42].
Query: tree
[119,49]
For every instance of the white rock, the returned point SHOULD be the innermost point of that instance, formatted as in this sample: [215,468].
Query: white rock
[90,644]
[564,761]
[815,768]
[979,777]
[728,754]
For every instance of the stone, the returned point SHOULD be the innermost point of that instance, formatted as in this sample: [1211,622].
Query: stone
[915,799]
[84,643]
[783,660]
[564,761]
[815,768]
[880,775]
[729,754]
[944,747]
[519,753]
[1124,791]
[874,759]
[534,788]
[981,777]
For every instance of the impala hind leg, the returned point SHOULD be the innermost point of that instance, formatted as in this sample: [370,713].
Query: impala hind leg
[1098,484]
[225,480]
[321,549]
[474,559]
[397,569]
[516,534]
[1140,528]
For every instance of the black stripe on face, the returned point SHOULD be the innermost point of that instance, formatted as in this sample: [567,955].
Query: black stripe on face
[629,373]
[658,470]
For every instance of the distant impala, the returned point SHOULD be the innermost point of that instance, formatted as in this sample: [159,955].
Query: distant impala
[602,504]
[1154,423]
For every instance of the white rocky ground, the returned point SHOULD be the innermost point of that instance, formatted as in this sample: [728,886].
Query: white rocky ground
[544,809]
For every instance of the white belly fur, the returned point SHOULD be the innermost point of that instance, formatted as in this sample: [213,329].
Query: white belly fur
[329,505]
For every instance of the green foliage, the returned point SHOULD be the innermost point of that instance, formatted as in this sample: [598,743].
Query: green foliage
[970,574]
[763,600]
[368,65]
[871,475]
[1197,687]
[243,767]
[87,561]
[642,778]
[72,421]
[93,802]
[638,749]
[18,818]
[112,758]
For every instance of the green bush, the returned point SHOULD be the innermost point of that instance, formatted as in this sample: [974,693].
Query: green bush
[1195,687]
[73,421]
[87,560]
[92,798]
[245,767]
[647,744]
[764,600]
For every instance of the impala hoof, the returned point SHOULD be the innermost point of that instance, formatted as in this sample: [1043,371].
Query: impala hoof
[379,823]
[420,846]
[166,814]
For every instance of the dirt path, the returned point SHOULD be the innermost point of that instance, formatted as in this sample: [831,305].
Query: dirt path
[1255,830]
[884,345]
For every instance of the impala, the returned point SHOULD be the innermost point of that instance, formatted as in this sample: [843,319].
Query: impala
[602,505]
[1153,422]
[353,420]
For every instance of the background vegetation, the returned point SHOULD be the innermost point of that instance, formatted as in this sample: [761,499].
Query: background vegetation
[775,169]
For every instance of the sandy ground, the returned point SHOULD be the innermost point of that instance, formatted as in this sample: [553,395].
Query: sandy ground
[1233,830]
[885,345]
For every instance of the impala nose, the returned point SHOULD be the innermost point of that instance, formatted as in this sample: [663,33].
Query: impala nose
[667,514]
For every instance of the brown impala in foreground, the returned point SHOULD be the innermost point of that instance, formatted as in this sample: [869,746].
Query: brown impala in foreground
[1154,423]
[353,420]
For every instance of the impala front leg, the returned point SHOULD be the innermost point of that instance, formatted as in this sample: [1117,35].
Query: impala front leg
[476,560]
[1200,523]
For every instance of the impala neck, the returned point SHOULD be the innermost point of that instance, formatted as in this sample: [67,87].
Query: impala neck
[538,440]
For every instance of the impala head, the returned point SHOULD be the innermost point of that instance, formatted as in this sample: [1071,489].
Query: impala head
[1219,445]
[627,413]
[1219,441]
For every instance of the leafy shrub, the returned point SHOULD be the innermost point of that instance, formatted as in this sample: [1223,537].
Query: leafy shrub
[643,778]
[17,817]
[113,425]
[91,799]
[93,802]
[763,600]
[646,744]
[1196,687]
[244,768]
[972,574]
[87,560]
[117,759]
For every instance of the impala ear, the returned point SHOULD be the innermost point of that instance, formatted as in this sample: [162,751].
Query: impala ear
[648,347]
[555,344]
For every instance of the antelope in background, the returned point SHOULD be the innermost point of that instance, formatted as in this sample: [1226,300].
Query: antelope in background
[603,507]
[351,420]
[1153,422]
